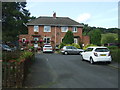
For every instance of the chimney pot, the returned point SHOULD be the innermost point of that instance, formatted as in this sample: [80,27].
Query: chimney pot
[54,15]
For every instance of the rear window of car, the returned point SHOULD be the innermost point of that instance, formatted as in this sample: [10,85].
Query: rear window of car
[47,46]
[102,50]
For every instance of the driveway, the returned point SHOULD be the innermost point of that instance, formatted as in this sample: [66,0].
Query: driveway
[68,71]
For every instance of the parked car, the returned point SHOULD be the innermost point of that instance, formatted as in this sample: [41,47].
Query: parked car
[97,54]
[71,50]
[47,48]
[5,47]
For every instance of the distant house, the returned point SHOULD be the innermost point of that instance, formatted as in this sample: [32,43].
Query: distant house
[51,30]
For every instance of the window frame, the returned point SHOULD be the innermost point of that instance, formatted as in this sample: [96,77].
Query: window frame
[45,42]
[49,29]
[76,40]
[36,30]
[64,29]
[74,29]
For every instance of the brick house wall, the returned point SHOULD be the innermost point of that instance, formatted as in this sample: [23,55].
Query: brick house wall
[56,35]
[59,35]
[86,40]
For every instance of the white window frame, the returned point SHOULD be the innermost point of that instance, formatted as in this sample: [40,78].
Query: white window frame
[61,39]
[74,29]
[75,40]
[47,28]
[24,40]
[36,38]
[36,28]
[46,41]
[63,29]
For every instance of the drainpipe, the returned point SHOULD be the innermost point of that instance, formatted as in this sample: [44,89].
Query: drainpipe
[55,35]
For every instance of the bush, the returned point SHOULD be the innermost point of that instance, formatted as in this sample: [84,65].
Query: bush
[61,45]
[73,44]
[68,38]
[76,45]
[26,54]
[112,47]
[85,47]
[115,53]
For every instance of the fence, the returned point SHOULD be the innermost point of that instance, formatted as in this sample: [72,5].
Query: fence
[14,74]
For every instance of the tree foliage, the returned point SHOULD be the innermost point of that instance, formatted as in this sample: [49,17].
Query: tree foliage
[95,37]
[14,18]
[109,38]
[68,38]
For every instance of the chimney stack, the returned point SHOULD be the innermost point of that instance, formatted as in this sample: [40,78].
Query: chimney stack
[54,15]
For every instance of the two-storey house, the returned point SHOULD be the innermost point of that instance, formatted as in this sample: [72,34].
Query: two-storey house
[51,30]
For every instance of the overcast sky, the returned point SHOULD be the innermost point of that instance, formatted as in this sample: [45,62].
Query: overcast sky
[98,14]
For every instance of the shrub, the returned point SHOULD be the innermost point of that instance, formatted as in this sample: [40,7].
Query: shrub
[26,54]
[112,47]
[68,38]
[115,53]
[73,44]
[85,47]
[76,45]
[61,45]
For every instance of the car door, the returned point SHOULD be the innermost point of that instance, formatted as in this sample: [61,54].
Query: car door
[75,51]
[69,49]
[87,53]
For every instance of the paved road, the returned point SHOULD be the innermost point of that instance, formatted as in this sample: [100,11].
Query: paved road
[68,71]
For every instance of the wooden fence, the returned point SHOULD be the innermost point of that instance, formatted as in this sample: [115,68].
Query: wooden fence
[14,74]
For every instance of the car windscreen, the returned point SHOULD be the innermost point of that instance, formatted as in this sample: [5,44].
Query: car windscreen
[101,50]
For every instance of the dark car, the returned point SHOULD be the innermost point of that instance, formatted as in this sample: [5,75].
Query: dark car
[5,47]
[71,50]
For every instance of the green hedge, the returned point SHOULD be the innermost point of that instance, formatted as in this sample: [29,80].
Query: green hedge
[115,53]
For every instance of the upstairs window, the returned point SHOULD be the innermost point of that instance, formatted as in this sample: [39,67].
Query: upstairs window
[64,29]
[74,29]
[47,28]
[36,29]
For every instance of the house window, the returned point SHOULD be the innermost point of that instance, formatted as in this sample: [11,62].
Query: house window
[61,39]
[47,28]
[64,29]
[75,41]
[36,29]
[23,40]
[36,39]
[74,29]
[46,40]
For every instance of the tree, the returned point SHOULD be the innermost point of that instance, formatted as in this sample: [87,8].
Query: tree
[68,38]
[109,38]
[95,37]
[86,29]
[14,17]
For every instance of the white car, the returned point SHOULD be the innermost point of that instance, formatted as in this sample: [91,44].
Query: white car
[47,48]
[97,54]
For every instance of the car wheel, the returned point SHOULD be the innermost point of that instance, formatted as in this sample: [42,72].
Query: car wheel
[91,60]
[66,53]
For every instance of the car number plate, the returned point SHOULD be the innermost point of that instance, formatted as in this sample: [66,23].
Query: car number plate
[103,55]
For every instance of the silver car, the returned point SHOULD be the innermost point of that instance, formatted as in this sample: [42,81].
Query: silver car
[71,50]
